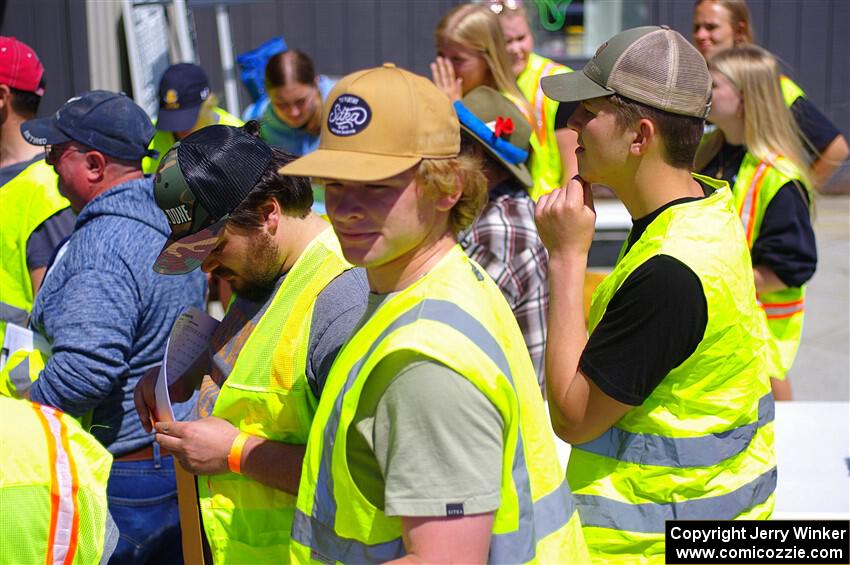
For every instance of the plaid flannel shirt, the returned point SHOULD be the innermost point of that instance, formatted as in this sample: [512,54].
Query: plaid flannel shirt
[504,241]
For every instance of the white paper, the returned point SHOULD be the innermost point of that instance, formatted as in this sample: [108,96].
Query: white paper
[189,339]
[17,338]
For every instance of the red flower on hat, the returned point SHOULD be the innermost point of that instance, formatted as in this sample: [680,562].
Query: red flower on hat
[504,126]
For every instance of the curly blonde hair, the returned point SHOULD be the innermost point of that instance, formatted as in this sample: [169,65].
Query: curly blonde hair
[437,177]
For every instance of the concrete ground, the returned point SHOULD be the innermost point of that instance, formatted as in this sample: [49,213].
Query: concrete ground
[822,368]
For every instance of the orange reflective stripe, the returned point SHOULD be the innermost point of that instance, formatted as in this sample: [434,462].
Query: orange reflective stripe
[776,310]
[538,104]
[74,538]
[64,484]
[748,205]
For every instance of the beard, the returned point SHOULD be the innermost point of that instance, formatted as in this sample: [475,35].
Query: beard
[261,272]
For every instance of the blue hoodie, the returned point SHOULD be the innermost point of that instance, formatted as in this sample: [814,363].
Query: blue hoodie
[107,314]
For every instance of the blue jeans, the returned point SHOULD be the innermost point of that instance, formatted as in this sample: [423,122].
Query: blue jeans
[142,497]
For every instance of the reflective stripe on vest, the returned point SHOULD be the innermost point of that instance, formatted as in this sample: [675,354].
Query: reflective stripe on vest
[778,310]
[550,513]
[64,514]
[20,377]
[749,202]
[700,451]
[538,105]
[601,512]
[9,313]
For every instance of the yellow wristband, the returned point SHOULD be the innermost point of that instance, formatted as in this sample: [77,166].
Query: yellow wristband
[234,458]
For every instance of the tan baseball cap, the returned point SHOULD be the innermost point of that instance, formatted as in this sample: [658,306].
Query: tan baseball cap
[378,123]
[652,64]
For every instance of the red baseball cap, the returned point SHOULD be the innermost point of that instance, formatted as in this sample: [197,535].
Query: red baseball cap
[19,66]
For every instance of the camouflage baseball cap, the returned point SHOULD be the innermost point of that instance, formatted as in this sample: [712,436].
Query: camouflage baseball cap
[200,181]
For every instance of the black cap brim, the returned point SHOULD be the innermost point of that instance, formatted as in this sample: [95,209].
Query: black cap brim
[42,131]
[177,120]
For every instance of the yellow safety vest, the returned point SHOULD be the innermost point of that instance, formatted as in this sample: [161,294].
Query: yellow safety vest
[52,487]
[163,140]
[267,395]
[790,90]
[755,186]
[701,445]
[456,315]
[26,202]
[545,167]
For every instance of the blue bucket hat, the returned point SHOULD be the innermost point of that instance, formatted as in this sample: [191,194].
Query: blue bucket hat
[105,121]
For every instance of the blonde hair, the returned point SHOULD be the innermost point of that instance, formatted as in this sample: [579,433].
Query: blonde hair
[477,28]
[739,17]
[437,177]
[770,129]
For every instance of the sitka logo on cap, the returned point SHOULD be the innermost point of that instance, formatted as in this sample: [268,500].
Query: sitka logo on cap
[349,115]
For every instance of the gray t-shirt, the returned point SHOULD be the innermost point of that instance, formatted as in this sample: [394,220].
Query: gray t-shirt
[339,306]
[424,440]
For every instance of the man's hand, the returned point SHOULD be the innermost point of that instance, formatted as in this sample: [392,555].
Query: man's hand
[201,446]
[145,398]
[565,219]
[443,75]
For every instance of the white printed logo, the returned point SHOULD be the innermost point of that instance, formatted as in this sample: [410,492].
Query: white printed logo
[349,115]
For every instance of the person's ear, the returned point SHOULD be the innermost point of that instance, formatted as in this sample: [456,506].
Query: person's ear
[5,96]
[446,201]
[95,164]
[271,215]
[644,134]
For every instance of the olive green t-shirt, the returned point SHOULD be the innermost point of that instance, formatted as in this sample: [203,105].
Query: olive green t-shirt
[424,440]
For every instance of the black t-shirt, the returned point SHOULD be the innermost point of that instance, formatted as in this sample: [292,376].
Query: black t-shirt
[816,128]
[654,321]
[786,240]
[47,237]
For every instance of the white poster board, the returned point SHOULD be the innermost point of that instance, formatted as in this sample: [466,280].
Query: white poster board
[146,29]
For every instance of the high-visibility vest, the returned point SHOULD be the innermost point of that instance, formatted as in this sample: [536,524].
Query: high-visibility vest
[755,186]
[164,140]
[701,445]
[545,166]
[790,90]
[26,202]
[53,480]
[457,316]
[267,395]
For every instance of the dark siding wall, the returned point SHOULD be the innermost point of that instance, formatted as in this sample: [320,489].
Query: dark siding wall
[340,35]
[56,29]
[809,37]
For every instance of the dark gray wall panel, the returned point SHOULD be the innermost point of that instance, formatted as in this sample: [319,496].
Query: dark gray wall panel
[56,29]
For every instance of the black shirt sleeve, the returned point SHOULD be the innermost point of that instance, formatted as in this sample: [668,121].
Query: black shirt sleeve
[816,127]
[786,240]
[46,237]
[565,110]
[654,321]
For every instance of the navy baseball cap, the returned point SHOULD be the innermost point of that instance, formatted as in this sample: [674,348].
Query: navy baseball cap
[182,90]
[108,122]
